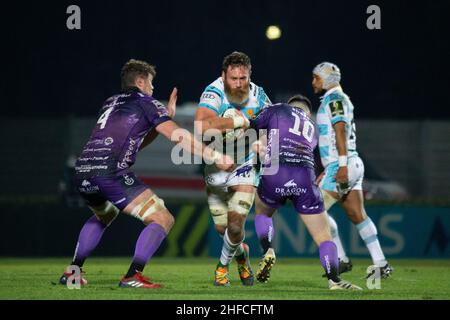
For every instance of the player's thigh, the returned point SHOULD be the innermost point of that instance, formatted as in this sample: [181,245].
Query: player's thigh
[262,208]
[318,227]
[104,210]
[149,208]
[241,199]
[218,206]
[353,206]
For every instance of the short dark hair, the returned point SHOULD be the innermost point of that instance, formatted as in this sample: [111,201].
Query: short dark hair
[236,58]
[302,99]
[133,69]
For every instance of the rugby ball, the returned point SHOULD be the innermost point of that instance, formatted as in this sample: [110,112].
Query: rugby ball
[232,134]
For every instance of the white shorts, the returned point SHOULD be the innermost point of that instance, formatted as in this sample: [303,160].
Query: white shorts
[355,175]
[217,183]
[244,174]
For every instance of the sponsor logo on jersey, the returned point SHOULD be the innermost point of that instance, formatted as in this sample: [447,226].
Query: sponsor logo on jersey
[293,191]
[208,96]
[128,181]
[87,187]
[290,183]
[109,141]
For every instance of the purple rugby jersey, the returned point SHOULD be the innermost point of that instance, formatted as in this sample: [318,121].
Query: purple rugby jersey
[295,178]
[124,120]
[296,133]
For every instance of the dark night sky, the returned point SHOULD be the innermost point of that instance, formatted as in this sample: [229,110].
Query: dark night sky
[398,72]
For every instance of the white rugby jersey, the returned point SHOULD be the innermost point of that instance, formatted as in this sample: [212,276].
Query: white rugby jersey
[335,107]
[214,98]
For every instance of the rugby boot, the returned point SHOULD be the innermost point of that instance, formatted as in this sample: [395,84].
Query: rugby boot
[244,268]
[265,266]
[221,278]
[138,281]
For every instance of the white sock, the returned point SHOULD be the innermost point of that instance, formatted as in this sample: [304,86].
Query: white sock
[228,250]
[337,240]
[239,250]
[368,232]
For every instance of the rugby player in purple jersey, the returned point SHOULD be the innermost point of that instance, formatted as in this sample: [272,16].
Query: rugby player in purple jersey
[128,122]
[291,127]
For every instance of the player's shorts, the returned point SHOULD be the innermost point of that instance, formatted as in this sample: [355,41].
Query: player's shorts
[244,174]
[120,189]
[355,175]
[294,183]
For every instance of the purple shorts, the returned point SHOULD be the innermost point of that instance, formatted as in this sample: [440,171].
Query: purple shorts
[120,189]
[294,183]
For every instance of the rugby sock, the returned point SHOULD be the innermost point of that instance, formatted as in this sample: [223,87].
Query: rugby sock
[368,232]
[148,242]
[228,250]
[329,260]
[240,253]
[337,240]
[89,237]
[264,230]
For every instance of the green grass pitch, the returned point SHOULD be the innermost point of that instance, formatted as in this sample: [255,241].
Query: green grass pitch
[185,279]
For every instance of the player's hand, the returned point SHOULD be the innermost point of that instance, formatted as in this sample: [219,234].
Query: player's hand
[172,104]
[225,163]
[259,148]
[342,181]
[342,175]
[320,177]
[239,120]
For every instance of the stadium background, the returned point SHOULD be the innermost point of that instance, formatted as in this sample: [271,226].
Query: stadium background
[54,80]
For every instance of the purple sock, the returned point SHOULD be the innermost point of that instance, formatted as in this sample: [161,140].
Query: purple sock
[329,259]
[89,237]
[148,242]
[264,230]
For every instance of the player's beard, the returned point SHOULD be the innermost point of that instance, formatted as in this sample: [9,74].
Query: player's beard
[320,92]
[237,96]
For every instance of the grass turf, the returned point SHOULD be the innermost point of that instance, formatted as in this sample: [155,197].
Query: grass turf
[185,279]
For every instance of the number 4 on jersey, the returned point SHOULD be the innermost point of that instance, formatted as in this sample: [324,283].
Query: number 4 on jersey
[104,117]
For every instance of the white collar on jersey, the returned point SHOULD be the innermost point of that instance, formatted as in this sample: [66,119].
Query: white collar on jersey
[330,91]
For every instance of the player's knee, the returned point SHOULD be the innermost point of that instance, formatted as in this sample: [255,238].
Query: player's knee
[241,202]
[355,215]
[106,213]
[234,229]
[328,199]
[145,210]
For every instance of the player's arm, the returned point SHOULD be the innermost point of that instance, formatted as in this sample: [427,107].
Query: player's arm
[186,140]
[210,120]
[171,109]
[148,139]
[338,119]
[208,114]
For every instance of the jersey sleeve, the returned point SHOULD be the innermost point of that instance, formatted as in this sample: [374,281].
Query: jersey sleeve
[337,112]
[210,100]
[263,98]
[155,112]
[261,120]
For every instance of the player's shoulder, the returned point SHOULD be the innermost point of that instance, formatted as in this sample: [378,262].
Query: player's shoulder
[215,88]
[335,96]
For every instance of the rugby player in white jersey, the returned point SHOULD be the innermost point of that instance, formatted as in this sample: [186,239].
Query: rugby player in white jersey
[231,194]
[342,178]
